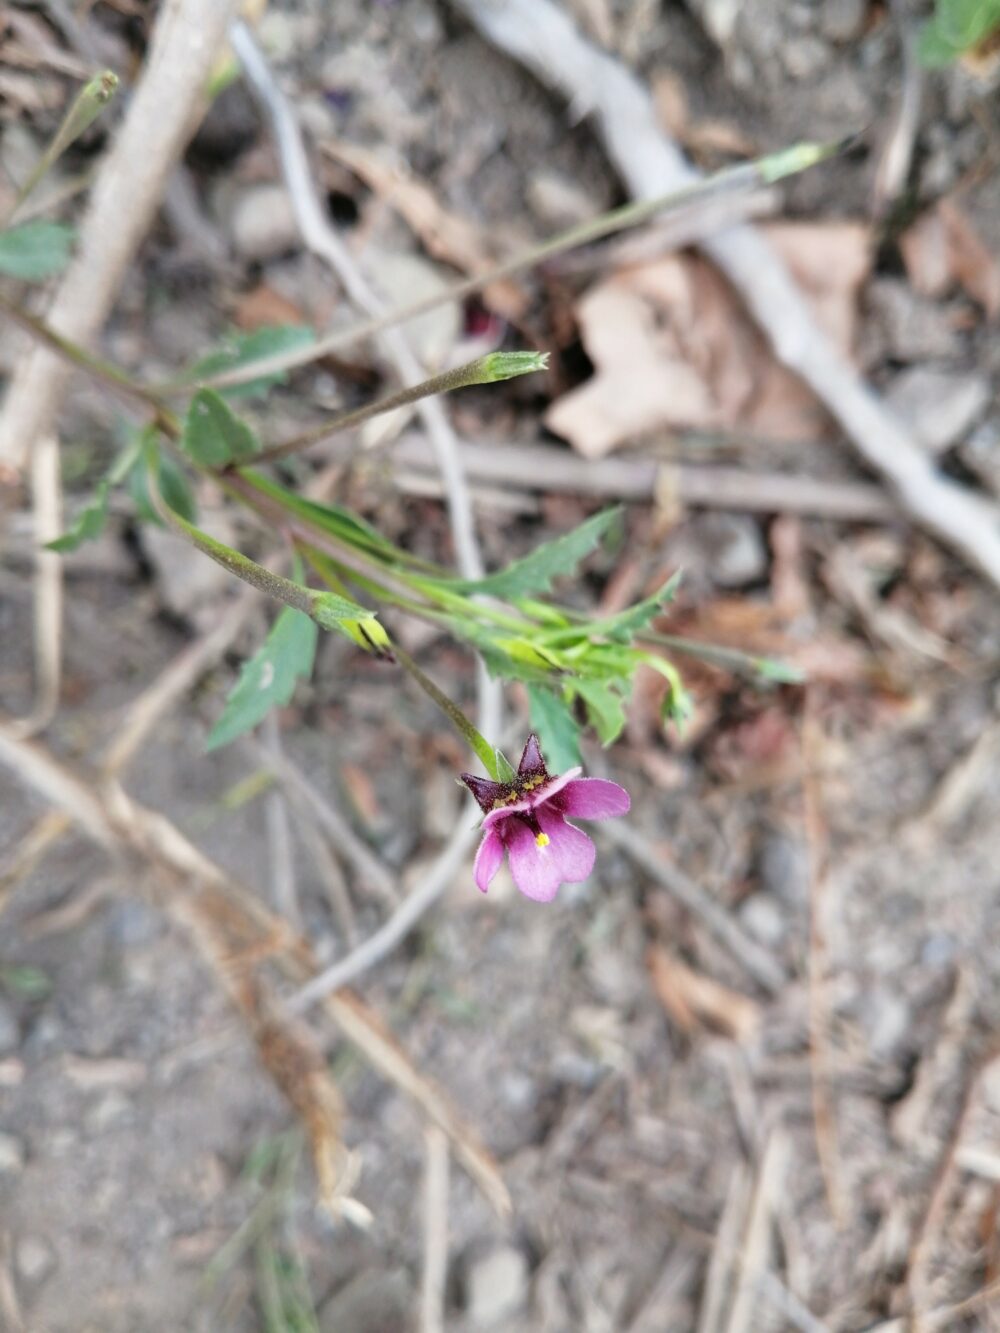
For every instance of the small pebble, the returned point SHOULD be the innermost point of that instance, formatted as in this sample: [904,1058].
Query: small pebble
[12,1155]
[35,1259]
[496,1286]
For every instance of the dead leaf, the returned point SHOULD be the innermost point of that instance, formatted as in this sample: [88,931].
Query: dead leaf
[975,267]
[673,347]
[694,1001]
[942,249]
[444,235]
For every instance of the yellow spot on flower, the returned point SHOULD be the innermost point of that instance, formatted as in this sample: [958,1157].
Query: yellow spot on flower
[541,840]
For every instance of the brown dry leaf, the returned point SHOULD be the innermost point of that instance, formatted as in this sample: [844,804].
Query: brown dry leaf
[672,346]
[262,305]
[975,267]
[711,136]
[693,1000]
[942,249]
[445,235]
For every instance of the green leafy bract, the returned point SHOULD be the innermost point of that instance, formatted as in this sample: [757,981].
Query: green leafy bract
[214,435]
[957,26]
[268,679]
[605,709]
[89,523]
[35,251]
[240,349]
[536,571]
[558,733]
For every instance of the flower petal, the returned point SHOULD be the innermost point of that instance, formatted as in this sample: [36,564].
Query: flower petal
[536,870]
[593,798]
[532,799]
[573,851]
[488,859]
[531,758]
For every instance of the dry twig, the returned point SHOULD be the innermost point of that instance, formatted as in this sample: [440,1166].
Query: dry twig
[435,1269]
[186,40]
[755,961]
[320,237]
[540,467]
[543,38]
[237,933]
[824,1116]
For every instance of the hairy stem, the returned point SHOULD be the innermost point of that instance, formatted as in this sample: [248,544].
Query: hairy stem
[484,370]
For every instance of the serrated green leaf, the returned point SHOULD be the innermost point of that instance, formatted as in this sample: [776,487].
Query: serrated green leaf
[536,571]
[605,710]
[173,487]
[35,250]
[88,525]
[214,435]
[558,734]
[240,349]
[268,680]
[622,627]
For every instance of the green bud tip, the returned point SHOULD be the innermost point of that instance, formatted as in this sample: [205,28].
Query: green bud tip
[801,156]
[507,365]
[104,86]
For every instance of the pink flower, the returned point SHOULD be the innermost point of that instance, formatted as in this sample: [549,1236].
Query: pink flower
[526,819]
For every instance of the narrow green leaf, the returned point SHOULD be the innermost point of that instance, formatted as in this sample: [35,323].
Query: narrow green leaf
[558,733]
[242,348]
[605,710]
[35,250]
[214,435]
[333,519]
[268,679]
[330,609]
[88,525]
[505,769]
[536,571]
[782,673]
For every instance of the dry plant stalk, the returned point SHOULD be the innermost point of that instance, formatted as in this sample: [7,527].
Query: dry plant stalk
[237,933]
[543,38]
[824,1115]
[186,42]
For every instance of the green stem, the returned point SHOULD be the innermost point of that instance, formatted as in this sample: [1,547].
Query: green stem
[92,365]
[478,742]
[731,658]
[484,370]
[734,180]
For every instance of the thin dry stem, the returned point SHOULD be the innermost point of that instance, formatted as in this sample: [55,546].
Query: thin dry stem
[237,931]
[544,38]
[824,1114]
[435,1265]
[186,40]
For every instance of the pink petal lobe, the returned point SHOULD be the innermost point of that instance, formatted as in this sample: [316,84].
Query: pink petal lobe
[488,859]
[593,798]
[536,870]
[571,849]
